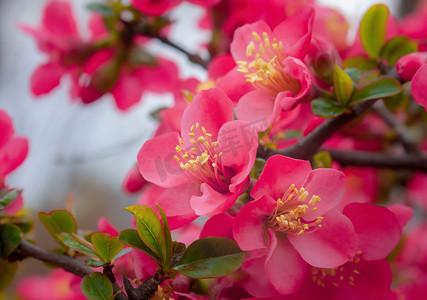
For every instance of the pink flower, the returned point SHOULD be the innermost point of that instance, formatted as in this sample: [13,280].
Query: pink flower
[294,218]
[212,151]
[58,285]
[408,65]
[13,151]
[134,182]
[368,274]
[160,7]
[59,39]
[419,85]
[271,62]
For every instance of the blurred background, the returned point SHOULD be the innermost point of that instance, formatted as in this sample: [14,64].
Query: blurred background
[88,149]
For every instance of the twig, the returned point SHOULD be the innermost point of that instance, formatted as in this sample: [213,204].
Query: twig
[147,289]
[400,129]
[194,58]
[108,271]
[380,160]
[68,263]
[309,145]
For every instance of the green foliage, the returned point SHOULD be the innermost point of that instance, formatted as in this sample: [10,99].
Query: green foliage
[210,257]
[7,197]
[326,108]
[396,48]
[360,63]
[7,273]
[373,29]
[139,56]
[106,246]
[58,221]
[257,168]
[10,237]
[130,237]
[79,244]
[380,88]
[168,238]
[343,86]
[150,231]
[97,286]
[322,160]
[103,9]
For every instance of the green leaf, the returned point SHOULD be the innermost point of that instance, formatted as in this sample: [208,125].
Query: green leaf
[121,253]
[178,251]
[210,257]
[101,8]
[381,88]
[373,29]
[257,168]
[343,86]
[149,229]
[96,286]
[7,197]
[360,63]
[58,221]
[131,238]
[94,263]
[168,238]
[7,272]
[10,237]
[326,108]
[106,246]
[396,48]
[322,160]
[398,101]
[79,244]
[354,73]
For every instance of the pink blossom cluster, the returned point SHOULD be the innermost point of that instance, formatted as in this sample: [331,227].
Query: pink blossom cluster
[308,231]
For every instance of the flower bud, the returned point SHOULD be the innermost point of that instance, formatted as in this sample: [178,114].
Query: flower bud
[322,58]
[408,65]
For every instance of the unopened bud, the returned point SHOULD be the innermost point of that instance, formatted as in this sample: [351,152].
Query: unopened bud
[408,65]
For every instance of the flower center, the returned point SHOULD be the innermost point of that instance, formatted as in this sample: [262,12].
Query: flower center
[339,275]
[266,70]
[202,162]
[287,216]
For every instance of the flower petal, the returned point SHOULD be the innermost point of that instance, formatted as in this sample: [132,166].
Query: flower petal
[211,202]
[378,230]
[219,225]
[58,19]
[331,245]
[248,227]
[284,267]
[12,155]
[419,86]
[157,164]
[46,77]
[279,173]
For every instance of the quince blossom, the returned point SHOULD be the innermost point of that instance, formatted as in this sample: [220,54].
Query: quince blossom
[271,62]
[213,153]
[294,219]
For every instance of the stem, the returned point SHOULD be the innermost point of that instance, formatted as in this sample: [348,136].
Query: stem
[68,263]
[402,132]
[380,160]
[194,58]
[310,144]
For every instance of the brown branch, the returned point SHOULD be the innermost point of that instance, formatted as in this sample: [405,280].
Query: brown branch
[147,289]
[380,160]
[401,131]
[310,144]
[68,263]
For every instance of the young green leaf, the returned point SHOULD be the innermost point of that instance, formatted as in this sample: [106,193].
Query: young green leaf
[94,263]
[96,286]
[168,237]
[326,108]
[343,86]
[131,238]
[373,29]
[396,48]
[77,243]
[322,160]
[7,197]
[106,246]
[58,221]
[10,237]
[210,257]
[381,88]
[103,9]
[150,229]
[7,272]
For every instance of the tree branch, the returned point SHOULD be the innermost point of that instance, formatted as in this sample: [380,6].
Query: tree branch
[68,263]
[380,160]
[309,145]
[401,131]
